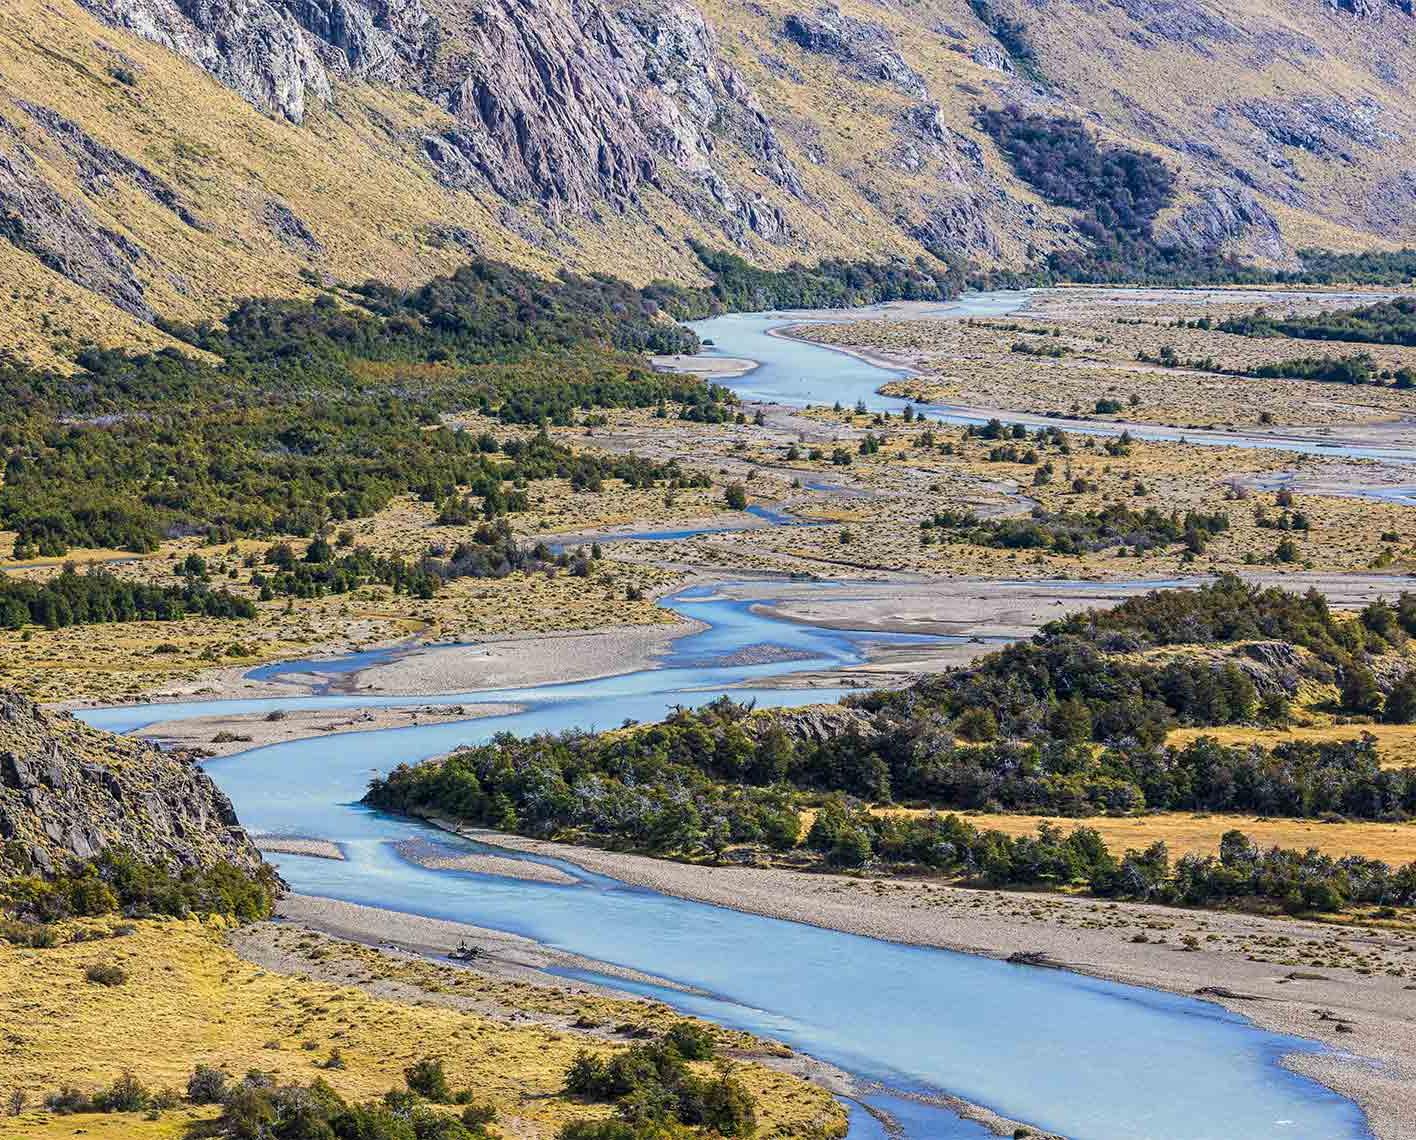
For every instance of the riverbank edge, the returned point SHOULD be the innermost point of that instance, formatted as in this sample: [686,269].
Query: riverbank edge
[518,958]
[1298,435]
[1349,1074]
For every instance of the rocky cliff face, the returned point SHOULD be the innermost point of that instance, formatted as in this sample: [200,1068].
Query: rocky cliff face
[67,792]
[389,137]
[562,102]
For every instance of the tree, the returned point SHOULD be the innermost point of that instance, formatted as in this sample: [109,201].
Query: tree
[852,847]
[735,497]
[977,724]
[427,1078]
[1360,692]
[1400,707]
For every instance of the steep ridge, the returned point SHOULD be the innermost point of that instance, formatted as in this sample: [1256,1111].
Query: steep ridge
[68,792]
[160,157]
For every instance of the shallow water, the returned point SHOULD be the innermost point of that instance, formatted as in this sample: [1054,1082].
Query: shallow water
[1088,1058]
[797,373]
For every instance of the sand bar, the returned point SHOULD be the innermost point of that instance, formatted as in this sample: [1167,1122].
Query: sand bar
[294,845]
[441,857]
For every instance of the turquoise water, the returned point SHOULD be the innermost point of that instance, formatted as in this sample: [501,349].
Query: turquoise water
[797,373]
[1087,1058]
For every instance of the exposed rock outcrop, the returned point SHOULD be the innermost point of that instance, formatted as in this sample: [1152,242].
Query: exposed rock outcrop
[565,103]
[62,235]
[255,47]
[1369,8]
[814,724]
[67,792]
[1221,217]
[865,48]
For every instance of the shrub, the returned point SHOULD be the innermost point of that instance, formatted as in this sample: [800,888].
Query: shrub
[206,1085]
[35,935]
[68,1099]
[106,974]
[476,1117]
[694,1042]
[247,1112]
[427,1078]
[126,1094]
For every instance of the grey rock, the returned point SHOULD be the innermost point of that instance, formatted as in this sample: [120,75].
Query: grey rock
[1187,22]
[1371,8]
[993,57]
[865,48]
[65,236]
[286,225]
[568,104]
[68,792]
[1221,216]
[100,166]
[815,724]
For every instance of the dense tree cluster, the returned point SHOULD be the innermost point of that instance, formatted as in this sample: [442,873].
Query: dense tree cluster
[259,1107]
[1118,193]
[1383,322]
[321,410]
[1069,532]
[658,788]
[849,836]
[652,1085]
[1356,369]
[1073,722]
[71,598]
[1229,610]
[738,285]
[1118,190]
[120,881]
[1011,34]
[1371,267]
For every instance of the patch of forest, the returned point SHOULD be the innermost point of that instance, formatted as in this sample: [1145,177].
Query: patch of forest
[1118,192]
[1385,322]
[324,410]
[1073,722]
[736,285]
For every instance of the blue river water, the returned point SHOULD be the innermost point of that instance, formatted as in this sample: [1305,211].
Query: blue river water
[1090,1059]
[796,373]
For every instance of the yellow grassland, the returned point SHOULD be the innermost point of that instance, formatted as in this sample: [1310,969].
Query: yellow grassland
[908,482]
[116,661]
[190,999]
[972,363]
[1396,743]
[1185,833]
[354,175]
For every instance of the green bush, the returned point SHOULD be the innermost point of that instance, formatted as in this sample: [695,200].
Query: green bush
[427,1078]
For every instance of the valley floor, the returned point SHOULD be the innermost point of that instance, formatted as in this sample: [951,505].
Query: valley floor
[1353,988]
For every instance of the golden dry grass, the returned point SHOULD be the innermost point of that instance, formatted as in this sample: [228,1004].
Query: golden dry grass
[1185,833]
[189,998]
[972,363]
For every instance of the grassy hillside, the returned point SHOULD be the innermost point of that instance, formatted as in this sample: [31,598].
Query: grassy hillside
[1286,125]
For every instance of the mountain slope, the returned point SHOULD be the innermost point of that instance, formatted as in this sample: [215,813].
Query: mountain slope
[160,157]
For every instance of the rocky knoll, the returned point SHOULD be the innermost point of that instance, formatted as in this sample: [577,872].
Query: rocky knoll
[67,792]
